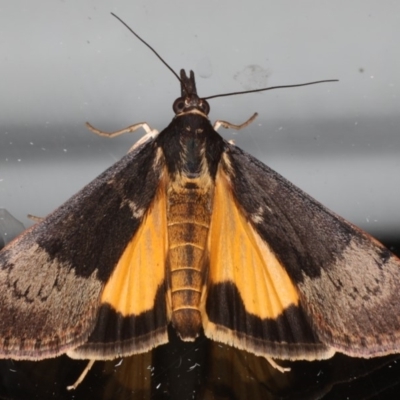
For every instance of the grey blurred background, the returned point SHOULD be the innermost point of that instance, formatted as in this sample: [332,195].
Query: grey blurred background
[66,62]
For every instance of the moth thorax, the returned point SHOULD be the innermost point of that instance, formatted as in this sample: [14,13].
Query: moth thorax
[188,216]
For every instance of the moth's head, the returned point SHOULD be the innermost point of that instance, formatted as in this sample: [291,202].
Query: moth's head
[189,100]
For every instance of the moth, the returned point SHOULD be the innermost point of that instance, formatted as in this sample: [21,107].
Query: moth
[187,229]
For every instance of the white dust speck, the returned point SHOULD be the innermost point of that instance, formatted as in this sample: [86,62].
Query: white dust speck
[119,363]
[193,367]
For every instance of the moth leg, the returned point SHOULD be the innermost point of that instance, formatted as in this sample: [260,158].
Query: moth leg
[150,133]
[226,125]
[35,218]
[131,128]
[82,376]
[277,366]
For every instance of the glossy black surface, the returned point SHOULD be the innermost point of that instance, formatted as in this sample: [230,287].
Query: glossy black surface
[202,370]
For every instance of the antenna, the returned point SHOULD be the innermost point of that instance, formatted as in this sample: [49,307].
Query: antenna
[150,47]
[269,88]
[223,94]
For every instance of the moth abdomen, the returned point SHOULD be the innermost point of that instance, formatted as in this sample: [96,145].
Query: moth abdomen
[188,226]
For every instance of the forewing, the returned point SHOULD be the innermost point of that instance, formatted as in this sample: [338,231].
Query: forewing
[348,283]
[51,277]
[251,302]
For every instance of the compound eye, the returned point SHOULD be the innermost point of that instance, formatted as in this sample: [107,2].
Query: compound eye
[205,107]
[179,105]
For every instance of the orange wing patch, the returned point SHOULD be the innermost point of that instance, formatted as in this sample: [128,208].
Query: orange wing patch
[249,300]
[238,255]
[132,287]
